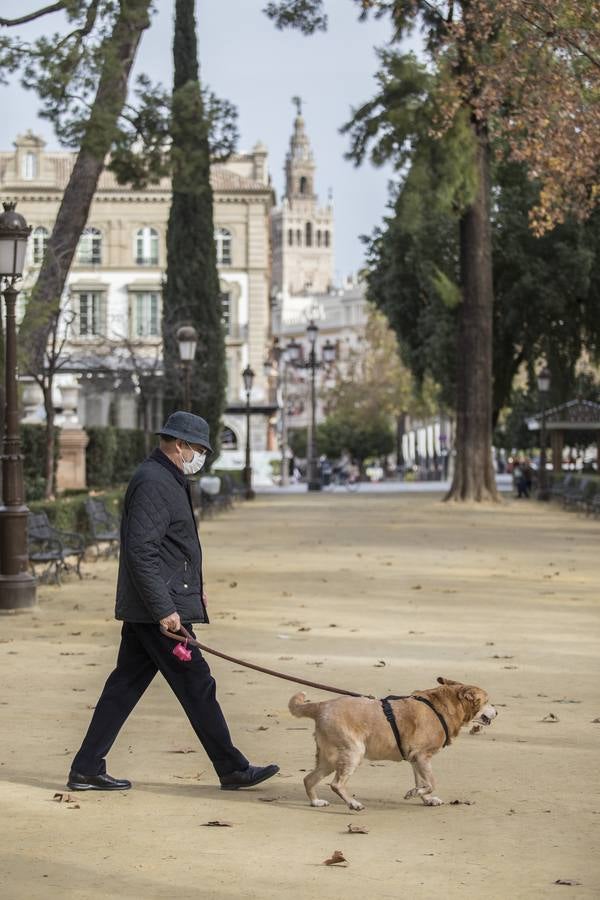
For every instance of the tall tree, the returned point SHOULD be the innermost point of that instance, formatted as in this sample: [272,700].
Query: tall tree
[191,292]
[533,75]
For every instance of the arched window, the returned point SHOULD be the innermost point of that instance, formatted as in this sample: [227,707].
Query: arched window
[40,242]
[89,249]
[229,440]
[326,238]
[299,237]
[303,184]
[146,246]
[319,238]
[223,245]
[308,234]
[29,170]
[290,237]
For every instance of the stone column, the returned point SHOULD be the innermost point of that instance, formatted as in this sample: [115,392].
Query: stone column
[70,472]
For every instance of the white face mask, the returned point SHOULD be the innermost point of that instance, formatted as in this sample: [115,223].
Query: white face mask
[195,463]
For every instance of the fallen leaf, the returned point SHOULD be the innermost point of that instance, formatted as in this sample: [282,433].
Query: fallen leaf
[304,628]
[551,717]
[499,656]
[380,664]
[357,829]
[566,700]
[461,803]
[332,625]
[336,857]
[218,823]
[417,587]
[509,667]
[233,584]
[268,799]
[568,881]
[185,750]
[596,721]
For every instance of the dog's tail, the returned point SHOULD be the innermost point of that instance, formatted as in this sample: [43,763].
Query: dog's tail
[299,706]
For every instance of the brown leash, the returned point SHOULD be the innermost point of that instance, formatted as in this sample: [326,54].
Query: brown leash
[186,638]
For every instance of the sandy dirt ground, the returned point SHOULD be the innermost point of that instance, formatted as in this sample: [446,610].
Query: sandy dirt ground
[326,586]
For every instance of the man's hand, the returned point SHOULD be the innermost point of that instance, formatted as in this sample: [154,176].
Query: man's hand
[172,622]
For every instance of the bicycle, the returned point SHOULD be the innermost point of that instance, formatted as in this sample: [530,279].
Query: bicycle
[342,479]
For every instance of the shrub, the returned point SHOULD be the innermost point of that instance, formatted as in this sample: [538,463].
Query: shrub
[68,513]
[112,454]
[33,447]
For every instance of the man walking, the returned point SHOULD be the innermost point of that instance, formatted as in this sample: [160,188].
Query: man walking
[160,582]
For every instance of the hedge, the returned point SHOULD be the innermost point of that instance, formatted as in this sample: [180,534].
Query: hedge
[67,513]
[112,454]
[33,448]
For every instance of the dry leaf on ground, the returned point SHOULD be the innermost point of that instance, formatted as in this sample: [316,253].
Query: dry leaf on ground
[551,717]
[219,823]
[568,881]
[185,750]
[461,803]
[380,664]
[357,829]
[336,857]
[596,721]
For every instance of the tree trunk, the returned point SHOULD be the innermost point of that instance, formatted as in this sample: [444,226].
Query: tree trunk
[473,473]
[118,53]
[49,461]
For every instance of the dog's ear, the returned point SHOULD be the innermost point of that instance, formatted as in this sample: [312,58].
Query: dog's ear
[468,695]
[442,680]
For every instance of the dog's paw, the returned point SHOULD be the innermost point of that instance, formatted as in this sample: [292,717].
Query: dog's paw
[410,795]
[356,805]
[432,801]
[318,803]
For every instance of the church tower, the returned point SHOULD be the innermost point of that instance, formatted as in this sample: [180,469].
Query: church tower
[302,232]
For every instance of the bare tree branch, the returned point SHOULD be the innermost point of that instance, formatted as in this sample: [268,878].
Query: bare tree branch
[30,17]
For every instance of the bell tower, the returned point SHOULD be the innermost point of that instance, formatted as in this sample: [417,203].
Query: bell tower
[302,232]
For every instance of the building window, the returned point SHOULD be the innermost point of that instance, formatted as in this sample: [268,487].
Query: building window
[89,249]
[223,244]
[290,237]
[303,184]
[308,234]
[319,238]
[90,308]
[326,234]
[30,168]
[226,312]
[228,439]
[146,247]
[299,237]
[40,242]
[145,314]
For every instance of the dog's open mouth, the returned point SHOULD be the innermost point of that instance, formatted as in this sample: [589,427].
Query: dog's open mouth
[483,719]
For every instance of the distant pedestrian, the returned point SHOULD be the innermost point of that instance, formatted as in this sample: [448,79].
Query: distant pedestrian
[160,583]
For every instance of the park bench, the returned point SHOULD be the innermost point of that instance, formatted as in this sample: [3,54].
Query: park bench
[52,547]
[594,506]
[103,526]
[573,496]
[557,491]
[585,505]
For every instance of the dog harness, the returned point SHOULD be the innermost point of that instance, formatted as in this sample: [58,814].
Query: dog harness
[389,714]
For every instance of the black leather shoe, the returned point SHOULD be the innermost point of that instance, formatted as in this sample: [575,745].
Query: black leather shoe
[79,782]
[248,778]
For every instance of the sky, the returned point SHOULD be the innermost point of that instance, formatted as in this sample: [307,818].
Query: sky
[246,60]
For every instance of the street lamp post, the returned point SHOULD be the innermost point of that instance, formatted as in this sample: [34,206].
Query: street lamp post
[314,481]
[248,377]
[17,585]
[187,340]
[543,383]
[277,363]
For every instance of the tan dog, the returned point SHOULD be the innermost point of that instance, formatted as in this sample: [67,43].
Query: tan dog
[350,728]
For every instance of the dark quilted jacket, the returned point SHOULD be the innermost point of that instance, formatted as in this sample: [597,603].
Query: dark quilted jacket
[160,566]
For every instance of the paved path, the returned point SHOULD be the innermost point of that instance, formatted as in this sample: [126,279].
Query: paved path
[327,586]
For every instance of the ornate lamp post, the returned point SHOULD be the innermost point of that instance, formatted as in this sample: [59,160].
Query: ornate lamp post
[543,383]
[187,339]
[277,363]
[17,585]
[248,377]
[329,355]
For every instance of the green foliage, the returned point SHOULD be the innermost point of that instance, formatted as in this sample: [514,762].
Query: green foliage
[337,435]
[307,15]
[112,455]
[191,292]
[33,448]
[67,513]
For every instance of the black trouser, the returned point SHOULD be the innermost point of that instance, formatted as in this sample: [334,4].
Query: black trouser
[143,652]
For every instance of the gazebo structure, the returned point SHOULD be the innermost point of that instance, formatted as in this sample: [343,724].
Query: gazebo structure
[560,421]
